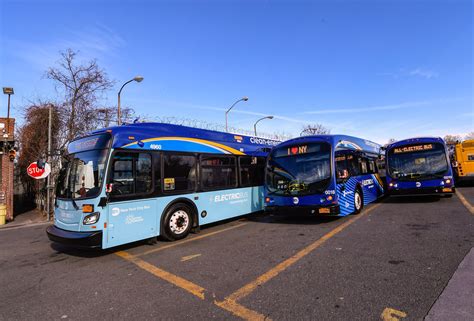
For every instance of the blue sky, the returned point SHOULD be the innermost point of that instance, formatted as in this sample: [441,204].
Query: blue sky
[375,69]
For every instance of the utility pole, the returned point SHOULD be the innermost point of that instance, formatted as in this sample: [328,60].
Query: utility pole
[48,186]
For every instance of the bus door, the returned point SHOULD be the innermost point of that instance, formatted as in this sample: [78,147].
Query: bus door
[131,208]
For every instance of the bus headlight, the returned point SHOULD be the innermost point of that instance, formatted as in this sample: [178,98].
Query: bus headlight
[448,181]
[91,218]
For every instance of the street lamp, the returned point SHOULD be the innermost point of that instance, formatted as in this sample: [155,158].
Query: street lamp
[255,125]
[8,91]
[137,79]
[245,98]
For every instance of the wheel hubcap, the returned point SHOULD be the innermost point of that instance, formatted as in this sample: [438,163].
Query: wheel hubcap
[357,201]
[179,222]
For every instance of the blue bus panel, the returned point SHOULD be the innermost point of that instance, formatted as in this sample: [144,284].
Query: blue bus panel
[322,175]
[419,166]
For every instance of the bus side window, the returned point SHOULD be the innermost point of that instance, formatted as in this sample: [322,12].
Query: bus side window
[143,174]
[252,170]
[179,173]
[341,168]
[131,174]
[218,172]
[353,165]
[122,174]
[362,165]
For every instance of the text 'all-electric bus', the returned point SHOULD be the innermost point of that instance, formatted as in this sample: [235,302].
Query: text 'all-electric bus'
[419,166]
[138,181]
[322,175]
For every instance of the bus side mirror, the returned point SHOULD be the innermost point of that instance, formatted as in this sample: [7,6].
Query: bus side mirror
[103,202]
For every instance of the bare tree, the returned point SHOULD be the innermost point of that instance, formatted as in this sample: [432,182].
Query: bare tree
[469,136]
[81,85]
[314,129]
[33,141]
[452,139]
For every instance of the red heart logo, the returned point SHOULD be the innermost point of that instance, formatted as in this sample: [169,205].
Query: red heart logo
[294,150]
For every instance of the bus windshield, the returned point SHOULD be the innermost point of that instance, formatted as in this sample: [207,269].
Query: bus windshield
[299,170]
[82,174]
[414,162]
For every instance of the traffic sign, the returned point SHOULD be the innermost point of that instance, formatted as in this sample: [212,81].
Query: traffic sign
[38,173]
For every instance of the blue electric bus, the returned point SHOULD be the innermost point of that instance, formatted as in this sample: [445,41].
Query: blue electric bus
[138,181]
[322,175]
[419,166]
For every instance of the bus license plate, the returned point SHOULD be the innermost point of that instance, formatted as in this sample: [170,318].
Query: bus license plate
[324,210]
[446,189]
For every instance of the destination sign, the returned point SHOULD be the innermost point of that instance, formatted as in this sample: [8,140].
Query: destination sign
[301,149]
[88,143]
[413,148]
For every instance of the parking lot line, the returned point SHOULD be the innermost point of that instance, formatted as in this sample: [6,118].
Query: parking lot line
[189,240]
[241,311]
[464,201]
[230,303]
[192,288]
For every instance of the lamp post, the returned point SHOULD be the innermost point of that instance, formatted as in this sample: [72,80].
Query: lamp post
[245,98]
[137,79]
[8,91]
[255,125]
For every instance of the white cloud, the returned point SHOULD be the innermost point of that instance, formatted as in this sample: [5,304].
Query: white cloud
[424,73]
[93,42]
[369,109]
[417,72]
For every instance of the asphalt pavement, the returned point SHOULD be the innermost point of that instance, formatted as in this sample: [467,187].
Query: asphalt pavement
[393,261]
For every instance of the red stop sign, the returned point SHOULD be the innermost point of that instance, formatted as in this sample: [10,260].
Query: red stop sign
[38,173]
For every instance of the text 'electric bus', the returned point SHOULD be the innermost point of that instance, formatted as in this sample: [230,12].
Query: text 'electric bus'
[419,166]
[138,181]
[322,175]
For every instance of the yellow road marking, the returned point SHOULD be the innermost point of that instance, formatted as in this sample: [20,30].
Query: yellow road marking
[267,276]
[390,314]
[189,257]
[241,311]
[465,202]
[190,240]
[192,288]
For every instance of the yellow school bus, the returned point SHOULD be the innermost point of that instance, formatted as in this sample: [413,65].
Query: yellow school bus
[464,160]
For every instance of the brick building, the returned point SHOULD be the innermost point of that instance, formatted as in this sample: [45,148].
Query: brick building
[7,130]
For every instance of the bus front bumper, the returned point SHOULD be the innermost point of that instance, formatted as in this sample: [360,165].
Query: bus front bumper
[421,191]
[75,239]
[303,210]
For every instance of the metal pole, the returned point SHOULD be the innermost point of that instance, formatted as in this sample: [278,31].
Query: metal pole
[241,99]
[48,187]
[8,116]
[118,109]
[255,125]
[119,112]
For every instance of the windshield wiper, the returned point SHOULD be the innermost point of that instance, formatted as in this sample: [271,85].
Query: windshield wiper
[74,204]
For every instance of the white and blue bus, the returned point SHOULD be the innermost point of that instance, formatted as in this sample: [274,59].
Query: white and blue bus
[322,175]
[139,181]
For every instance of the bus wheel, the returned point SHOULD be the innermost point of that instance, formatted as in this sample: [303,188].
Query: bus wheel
[358,201]
[177,222]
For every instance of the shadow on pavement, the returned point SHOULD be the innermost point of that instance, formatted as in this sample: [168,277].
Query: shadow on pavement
[413,199]
[292,218]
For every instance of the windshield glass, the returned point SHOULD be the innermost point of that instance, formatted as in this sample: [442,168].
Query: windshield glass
[82,174]
[421,161]
[300,169]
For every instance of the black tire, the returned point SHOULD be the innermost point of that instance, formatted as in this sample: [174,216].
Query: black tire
[177,222]
[358,201]
[448,195]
